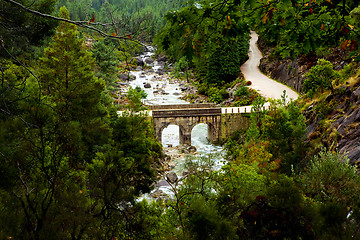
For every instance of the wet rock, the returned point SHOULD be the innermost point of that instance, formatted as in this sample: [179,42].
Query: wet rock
[355,95]
[123,84]
[176,94]
[149,60]
[162,183]
[124,77]
[169,145]
[132,77]
[192,149]
[147,85]
[159,194]
[162,58]
[160,71]
[138,61]
[172,177]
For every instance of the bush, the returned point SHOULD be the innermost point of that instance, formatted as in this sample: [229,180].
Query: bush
[242,91]
[320,77]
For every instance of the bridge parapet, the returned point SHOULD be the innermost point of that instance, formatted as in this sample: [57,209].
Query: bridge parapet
[191,112]
[181,106]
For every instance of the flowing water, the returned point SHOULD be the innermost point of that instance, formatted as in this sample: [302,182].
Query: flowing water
[162,89]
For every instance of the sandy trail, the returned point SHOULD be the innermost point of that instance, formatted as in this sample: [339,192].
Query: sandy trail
[260,82]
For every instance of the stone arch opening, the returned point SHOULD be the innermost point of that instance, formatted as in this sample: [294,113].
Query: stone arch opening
[199,134]
[170,135]
[181,132]
[211,134]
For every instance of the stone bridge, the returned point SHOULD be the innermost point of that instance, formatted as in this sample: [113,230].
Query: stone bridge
[222,122]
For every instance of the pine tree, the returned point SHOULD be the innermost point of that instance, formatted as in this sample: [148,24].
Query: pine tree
[67,74]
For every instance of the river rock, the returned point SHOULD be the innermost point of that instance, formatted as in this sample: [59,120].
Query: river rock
[124,77]
[162,58]
[192,149]
[162,183]
[160,71]
[172,177]
[123,84]
[159,194]
[149,60]
[147,85]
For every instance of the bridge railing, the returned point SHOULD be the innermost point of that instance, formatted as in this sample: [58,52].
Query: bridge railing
[244,109]
[181,106]
[194,109]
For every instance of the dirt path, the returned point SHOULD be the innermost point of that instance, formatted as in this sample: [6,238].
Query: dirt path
[260,82]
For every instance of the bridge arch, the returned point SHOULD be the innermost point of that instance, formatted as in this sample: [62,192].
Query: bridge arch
[186,119]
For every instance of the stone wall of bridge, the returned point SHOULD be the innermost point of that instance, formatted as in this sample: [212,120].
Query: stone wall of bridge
[222,122]
[230,123]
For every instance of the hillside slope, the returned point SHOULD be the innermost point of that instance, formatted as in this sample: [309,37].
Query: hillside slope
[333,119]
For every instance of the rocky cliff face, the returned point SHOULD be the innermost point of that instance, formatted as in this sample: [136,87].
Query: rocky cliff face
[291,72]
[333,120]
[286,71]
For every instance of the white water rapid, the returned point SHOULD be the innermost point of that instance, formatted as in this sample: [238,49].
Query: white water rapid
[162,89]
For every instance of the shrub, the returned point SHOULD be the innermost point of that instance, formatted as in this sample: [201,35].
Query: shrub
[242,91]
[320,77]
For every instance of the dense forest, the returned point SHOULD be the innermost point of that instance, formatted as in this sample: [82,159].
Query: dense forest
[72,168]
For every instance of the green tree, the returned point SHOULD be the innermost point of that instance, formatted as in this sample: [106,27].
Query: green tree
[320,77]
[106,62]
[298,27]
[66,72]
[335,185]
[207,34]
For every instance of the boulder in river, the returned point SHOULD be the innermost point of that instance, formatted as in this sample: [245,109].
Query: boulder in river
[172,177]
[149,60]
[138,61]
[124,77]
[147,85]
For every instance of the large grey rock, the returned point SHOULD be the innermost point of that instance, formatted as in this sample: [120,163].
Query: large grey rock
[149,60]
[138,61]
[172,177]
[124,77]
[147,85]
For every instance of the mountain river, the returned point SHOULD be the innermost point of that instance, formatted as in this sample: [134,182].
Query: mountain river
[162,89]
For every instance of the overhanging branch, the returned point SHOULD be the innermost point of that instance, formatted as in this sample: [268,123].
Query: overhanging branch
[78,23]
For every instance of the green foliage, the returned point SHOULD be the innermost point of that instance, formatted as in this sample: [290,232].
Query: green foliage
[330,178]
[20,30]
[134,96]
[105,59]
[320,77]
[204,222]
[223,64]
[241,183]
[213,39]
[335,184]
[283,127]
[297,27]
[242,91]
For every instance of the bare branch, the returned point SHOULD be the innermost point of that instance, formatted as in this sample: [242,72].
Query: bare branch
[78,23]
